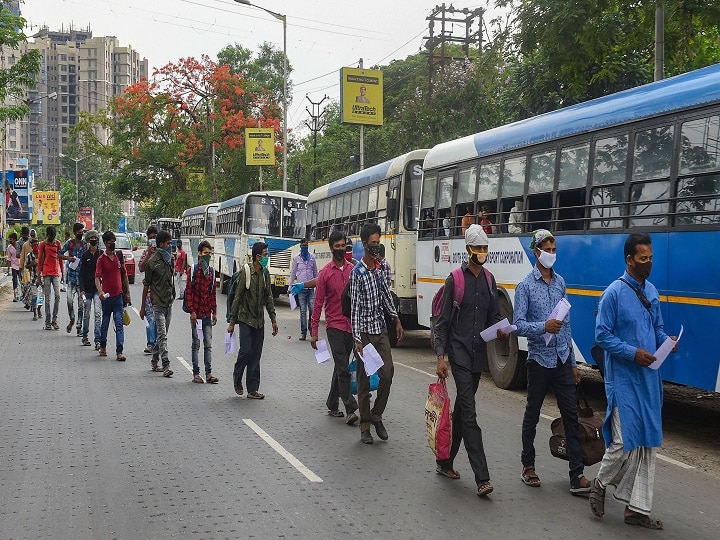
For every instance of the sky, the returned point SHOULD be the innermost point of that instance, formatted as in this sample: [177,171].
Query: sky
[322,35]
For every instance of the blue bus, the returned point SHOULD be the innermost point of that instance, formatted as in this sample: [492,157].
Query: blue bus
[645,159]
[198,224]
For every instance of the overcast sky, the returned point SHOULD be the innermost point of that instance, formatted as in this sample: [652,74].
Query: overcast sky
[322,35]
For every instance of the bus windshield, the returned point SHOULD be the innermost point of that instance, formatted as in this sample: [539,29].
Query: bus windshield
[294,218]
[262,215]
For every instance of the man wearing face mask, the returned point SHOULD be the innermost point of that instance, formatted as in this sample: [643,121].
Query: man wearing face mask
[49,258]
[550,365]
[158,281]
[302,279]
[457,334]
[329,287]
[629,325]
[88,290]
[111,281]
[75,246]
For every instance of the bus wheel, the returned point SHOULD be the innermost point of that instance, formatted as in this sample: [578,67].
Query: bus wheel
[505,360]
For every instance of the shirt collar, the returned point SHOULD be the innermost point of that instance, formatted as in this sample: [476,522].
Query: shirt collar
[627,277]
[538,276]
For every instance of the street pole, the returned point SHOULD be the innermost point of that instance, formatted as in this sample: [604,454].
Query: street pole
[77,190]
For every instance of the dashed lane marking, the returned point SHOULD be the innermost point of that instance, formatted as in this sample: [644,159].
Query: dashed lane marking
[184,363]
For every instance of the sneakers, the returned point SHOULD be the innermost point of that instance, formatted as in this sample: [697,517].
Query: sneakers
[56,326]
[239,389]
[79,333]
[366,437]
[167,372]
[48,327]
[351,419]
[86,341]
[212,380]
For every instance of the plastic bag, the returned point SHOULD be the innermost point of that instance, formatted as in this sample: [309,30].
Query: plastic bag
[40,296]
[437,420]
[126,317]
[374,378]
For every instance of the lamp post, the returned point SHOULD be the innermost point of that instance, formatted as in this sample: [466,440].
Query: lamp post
[77,185]
[282,18]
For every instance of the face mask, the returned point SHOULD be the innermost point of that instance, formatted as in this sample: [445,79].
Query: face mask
[642,269]
[93,242]
[204,263]
[304,252]
[338,254]
[110,245]
[264,262]
[477,258]
[373,251]
[35,248]
[78,237]
[348,256]
[547,259]
[166,254]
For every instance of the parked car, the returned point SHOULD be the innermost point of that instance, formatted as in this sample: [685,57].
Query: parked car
[123,243]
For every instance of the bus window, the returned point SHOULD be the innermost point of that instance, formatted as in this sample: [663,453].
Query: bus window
[488,181]
[427,206]
[263,215]
[574,166]
[411,195]
[606,207]
[444,202]
[382,205]
[539,201]
[698,200]
[465,200]
[372,201]
[650,201]
[210,224]
[363,202]
[700,146]
[610,166]
[513,178]
[355,210]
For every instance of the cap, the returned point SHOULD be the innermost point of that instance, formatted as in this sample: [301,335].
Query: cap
[89,234]
[475,235]
[539,236]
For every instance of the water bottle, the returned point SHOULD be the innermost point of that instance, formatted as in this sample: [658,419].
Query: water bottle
[40,296]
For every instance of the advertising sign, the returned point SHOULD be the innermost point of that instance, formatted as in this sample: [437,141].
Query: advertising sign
[17,189]
[86,216]
[361,96]
[259,146]
[46,208]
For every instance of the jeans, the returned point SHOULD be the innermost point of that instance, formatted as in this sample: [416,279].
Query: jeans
[251,344]
[341,345]
[92,300]
[15,281]
[151,328]
[73,291]
[54,283]
[162,323]
[305,298]
[112,307]
[207,345]
[561,381]
[180,284]
[382,344]
[465,426]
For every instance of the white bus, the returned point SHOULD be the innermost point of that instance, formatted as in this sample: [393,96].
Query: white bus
[198,224]
[387,194]
[278,218]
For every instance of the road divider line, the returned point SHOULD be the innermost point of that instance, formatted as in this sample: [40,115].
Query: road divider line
[547,417]
[292,460]
[433,375]
[136,311]
[184,363]
[675,462]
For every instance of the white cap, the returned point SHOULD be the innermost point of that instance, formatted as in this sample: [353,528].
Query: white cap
[476,236]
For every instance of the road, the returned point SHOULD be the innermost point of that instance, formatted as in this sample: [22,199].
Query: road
[95,448]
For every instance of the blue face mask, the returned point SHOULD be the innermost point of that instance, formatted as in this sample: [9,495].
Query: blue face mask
[304,252]
[166,254]
[264,262]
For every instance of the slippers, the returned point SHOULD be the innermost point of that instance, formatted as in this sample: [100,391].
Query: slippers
[336,414]
[198,379]
[448,473]
[642,520]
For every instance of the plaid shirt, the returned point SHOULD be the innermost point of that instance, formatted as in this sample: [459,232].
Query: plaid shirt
[369,293]
[74,249]
[200,292]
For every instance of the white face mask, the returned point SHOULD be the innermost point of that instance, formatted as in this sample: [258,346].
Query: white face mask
[547,259]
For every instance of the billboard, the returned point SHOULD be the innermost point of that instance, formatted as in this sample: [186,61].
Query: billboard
[18,186]
[46,208]
[259,146]
[361,96]
[86,216]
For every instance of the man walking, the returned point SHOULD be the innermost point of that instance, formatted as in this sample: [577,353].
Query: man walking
[181,266]
[629,325]
[457,334]
[304,270]
[369,296]
[111,282]
[200,301]
[331,282]
[75,247]
[13,264]
[158,282]
[247,312]
[150,327]
[551,363]
[49,258]
[88,290]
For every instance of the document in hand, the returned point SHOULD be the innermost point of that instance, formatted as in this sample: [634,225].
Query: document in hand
[230,343]
[559,312]
[322,354]
[371,359]
[490,332]
[666,348]
[73,265]
[293,303]
[198,325]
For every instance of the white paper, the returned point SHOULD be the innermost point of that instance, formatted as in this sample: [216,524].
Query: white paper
[293,303]
[230,343]
[73,265]
[322,354]
[371,359]
[559,312]
[666,348]
[147,323]
[198,326]
[490,332]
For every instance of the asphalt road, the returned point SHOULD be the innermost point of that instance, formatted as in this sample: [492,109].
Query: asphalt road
[95,448]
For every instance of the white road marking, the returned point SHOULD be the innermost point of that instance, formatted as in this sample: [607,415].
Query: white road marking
[292,460]
[136,311]
[675,462]
[546,417]
[184,363]
[433,375]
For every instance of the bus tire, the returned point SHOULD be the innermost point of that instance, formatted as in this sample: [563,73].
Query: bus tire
[505,361]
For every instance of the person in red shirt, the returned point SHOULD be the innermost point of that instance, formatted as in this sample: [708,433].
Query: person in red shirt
[181,267]
[200,301]
[329,287]
[112,284]
[49,258]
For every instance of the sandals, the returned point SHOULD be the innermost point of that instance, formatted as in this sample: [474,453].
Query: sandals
[641,520]
[486,488]
[212,380]
[121,357]
[529,477]
[336,414]
[255,395]
[156,368]
[102,351]
[198,379]
[448,473]
[581,487]
[597,499]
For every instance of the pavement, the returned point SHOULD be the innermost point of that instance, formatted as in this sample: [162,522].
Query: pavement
[95,448]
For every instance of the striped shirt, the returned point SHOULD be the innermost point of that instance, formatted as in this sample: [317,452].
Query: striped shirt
[369,294]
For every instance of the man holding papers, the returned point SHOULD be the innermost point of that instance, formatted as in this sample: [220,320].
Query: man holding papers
[458,334]
[551,362]
[370,298]
[629,326]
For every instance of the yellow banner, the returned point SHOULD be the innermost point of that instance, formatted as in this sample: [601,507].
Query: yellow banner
[46,208]
[361,96]
[259,146]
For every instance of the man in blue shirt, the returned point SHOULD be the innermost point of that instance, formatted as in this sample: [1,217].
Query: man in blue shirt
[629,325]
[74,247]
[551,363]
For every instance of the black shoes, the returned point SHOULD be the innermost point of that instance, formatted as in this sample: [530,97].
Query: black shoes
[365,437]
[380,430]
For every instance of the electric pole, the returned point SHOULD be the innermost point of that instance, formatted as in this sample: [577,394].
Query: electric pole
[317,123]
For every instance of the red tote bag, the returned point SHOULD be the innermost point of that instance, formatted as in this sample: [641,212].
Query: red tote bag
[437,420]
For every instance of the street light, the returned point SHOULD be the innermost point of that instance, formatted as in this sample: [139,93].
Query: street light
[77,185]
[282,18]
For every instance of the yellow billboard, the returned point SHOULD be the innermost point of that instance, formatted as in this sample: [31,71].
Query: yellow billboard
[361,96]
[259,146]
[46,208]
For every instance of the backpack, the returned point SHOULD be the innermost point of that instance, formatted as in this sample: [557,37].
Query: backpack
[459,282]
[232,288]
[345,302]
[192,280]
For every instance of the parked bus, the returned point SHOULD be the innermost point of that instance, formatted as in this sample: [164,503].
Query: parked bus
[198,224]
[172,225]
[387,194]
[278,218]
[645,159]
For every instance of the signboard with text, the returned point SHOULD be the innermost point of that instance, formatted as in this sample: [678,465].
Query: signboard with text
[361,96]
[259,146]
[86,216]
[46,208]
[18,186]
